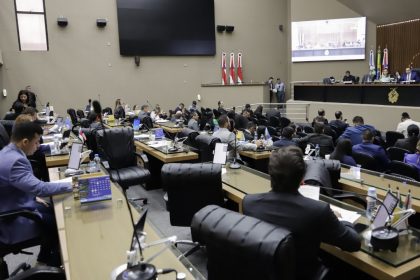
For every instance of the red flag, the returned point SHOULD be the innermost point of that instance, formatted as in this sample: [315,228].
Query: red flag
[239,70]
[224,76]
[232,69]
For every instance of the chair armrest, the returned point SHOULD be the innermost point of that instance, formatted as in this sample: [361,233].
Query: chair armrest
[144,159]
[353,197]
[29,214]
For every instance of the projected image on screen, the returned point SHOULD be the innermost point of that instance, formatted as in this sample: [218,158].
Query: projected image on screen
[166,27]
[331,39]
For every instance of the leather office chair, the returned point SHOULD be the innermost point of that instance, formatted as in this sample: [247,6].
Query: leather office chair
[242,247]
[366,161]
[402,169]
[206,145]
[190,187]
[391,137]
[44,272]
[117,147]
[395,153]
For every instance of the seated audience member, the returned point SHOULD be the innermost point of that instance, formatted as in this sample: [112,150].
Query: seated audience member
[410,142]
[19,189]
[193,122]
[144,111]
[375,151]
[193,108]
[320,118]
[286,138]
[250,131]
[410,76]
[310,221]
[119,112]
[338,124]
[349,78]
[385,77]
[343,152]
[324,141]
[354,133]
[405,122]
[414,158]
[226,136]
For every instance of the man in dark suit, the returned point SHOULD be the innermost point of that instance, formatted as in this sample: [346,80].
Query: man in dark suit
[286,138]
[338,124]
[410,142]
[410,76]
[311,222]
[376,151]
[324,141]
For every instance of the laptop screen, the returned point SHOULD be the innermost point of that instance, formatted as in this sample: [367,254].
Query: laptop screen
[76,151]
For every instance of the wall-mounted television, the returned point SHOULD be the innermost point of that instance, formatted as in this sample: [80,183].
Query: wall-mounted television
[166,27]
[329,39]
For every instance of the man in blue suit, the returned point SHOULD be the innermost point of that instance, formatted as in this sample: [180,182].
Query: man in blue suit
[376,151]
[354,133]
[19,189]
[410,76]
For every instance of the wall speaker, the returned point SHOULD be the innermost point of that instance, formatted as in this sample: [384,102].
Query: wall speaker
[220,28]
[62,22]
[101,22]
[230,28]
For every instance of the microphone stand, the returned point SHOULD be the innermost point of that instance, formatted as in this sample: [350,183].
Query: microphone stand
[234,164]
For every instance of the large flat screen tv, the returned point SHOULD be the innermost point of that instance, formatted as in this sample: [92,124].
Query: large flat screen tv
[329,39]
[166,27]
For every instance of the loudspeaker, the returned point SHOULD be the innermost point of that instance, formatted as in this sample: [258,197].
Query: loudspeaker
[220,28]
[230,28]
[62,22]
[101,22]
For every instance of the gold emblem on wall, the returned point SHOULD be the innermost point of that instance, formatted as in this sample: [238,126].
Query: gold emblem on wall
[393,95]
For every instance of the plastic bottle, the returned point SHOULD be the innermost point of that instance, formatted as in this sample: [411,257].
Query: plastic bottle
[371,202]
[97,161]
[317,151]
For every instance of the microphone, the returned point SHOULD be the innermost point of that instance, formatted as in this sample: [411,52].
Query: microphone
[383,237]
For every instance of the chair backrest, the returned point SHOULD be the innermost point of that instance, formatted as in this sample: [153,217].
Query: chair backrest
[190,187]
[73,115]
[206,144]
[404,169]
[117,146]
[242,247]
[395,153]
[391,137]
[366,161]
[4,137]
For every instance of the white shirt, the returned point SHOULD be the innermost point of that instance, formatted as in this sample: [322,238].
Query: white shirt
[402,126]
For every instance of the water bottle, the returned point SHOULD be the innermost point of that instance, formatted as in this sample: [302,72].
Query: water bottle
[317,151]
[371,202]
[97,161]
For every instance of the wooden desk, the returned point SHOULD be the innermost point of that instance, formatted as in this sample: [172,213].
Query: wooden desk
[94,238]
[239,182]
[158,158]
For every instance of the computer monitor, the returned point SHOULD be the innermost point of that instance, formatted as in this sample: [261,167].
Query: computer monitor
[75,153]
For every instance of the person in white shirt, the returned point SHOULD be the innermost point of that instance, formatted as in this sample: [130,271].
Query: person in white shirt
[405,122]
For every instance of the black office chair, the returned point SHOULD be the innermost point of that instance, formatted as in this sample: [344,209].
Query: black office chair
[116,146]
[206,145]
[44,272]
[395,153]
[190,187]
[398,168]
[366,161]
[242,247]
[391,137]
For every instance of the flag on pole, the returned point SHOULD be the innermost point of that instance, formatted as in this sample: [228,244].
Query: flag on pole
[385,59]
[232,69]
[372,62]
[224,76]
[378,63]
[239,70]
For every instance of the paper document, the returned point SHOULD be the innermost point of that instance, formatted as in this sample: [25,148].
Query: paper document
[346,215]
[309,191]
